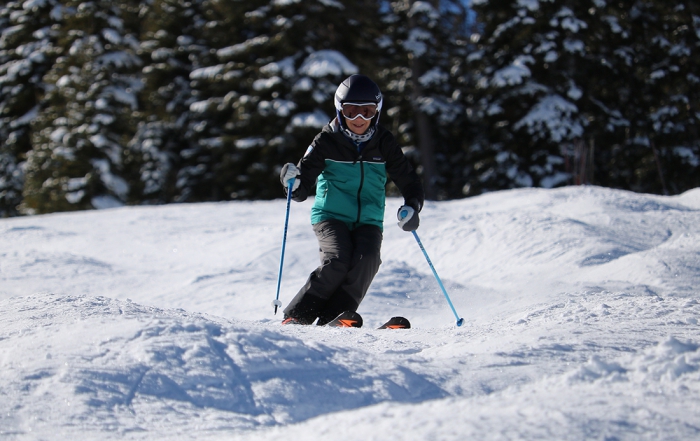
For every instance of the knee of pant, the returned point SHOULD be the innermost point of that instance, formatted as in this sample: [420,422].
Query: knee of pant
[374,254]
[371,259]
[338,263]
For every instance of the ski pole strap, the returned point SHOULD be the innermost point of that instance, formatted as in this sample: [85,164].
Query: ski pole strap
[460,321]
[276,303]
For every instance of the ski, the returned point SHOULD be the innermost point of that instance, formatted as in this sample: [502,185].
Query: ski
[347,319]
[396,323]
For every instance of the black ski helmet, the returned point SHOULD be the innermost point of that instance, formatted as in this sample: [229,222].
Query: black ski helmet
[358,89]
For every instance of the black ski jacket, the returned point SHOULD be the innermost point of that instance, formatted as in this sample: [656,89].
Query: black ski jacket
[351,182]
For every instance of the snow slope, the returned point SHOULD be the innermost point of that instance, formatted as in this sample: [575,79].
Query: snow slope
[581,307]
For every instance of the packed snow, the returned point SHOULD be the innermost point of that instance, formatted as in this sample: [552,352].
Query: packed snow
[581,307]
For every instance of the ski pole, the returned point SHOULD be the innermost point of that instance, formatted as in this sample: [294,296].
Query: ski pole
[460,321]
[276,303]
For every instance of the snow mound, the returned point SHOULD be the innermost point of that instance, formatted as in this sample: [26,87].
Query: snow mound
[128,365]
[581,310]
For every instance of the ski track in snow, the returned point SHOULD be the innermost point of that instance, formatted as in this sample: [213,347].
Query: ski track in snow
[155,323]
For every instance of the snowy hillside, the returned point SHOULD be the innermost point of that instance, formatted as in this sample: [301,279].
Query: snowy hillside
[581,307]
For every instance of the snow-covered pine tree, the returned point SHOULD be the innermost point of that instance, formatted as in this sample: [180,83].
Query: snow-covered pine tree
[615,80]
[160,149]
[676,119]
[423,51]
[315,47]
[79,137]
[529,81]
[651,94]
[210,166]
[27,51]
[270,88]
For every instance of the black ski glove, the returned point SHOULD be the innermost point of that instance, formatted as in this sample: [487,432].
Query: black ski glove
[408,215]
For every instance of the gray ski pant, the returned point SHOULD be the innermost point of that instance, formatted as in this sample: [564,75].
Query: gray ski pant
[349,261]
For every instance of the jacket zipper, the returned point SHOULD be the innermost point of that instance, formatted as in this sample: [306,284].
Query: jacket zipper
[359,189]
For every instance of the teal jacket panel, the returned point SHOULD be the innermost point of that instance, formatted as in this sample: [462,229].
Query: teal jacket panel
[352,192]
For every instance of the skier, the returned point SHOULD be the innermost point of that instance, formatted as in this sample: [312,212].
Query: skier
[349,162]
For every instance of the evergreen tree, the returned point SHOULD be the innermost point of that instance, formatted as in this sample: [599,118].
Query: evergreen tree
[561,82]
[27,51]
[163,101]
[652,103]
[424,51]
[77,156]
[270,88]
[529,82]
[216,83]
[160,147]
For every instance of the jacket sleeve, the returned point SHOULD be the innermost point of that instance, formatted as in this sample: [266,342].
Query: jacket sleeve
[401,171]
[310,166]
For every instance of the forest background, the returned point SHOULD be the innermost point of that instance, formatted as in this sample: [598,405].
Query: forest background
[107,103]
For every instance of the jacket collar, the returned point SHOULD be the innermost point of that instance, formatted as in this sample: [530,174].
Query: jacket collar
[336,131]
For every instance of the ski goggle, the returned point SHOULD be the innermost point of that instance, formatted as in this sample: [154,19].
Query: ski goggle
[352,111]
